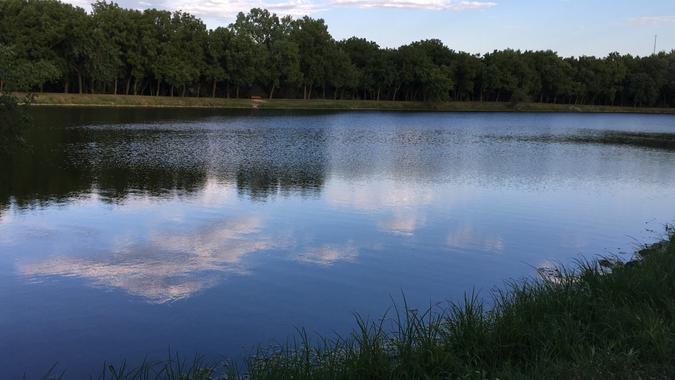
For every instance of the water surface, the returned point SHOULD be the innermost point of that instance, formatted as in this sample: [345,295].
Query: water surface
[126,232]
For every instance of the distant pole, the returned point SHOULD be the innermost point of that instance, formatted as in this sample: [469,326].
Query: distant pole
[655,43]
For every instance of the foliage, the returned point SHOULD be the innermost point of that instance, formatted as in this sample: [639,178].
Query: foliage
[59,47]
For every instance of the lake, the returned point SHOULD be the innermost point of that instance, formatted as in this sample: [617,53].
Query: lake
[127,233]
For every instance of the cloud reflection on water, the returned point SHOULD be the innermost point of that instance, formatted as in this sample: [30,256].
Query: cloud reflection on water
[397,205]
[402,223]
[467,238]
[169,266]
[330,254]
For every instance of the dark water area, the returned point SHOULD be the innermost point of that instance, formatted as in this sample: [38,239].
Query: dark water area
[126,232]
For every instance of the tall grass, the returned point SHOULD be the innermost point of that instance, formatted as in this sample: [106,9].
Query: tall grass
[599,319]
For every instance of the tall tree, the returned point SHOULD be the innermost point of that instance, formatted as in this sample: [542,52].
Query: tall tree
[217,55]
[314,44]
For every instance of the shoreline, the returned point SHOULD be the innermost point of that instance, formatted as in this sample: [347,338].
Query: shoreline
[134,101]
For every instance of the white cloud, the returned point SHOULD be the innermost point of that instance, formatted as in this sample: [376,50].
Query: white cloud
[652,20]
[229,8]
[456,6]
[80,3]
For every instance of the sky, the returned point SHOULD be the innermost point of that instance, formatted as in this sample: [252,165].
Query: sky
[570,27]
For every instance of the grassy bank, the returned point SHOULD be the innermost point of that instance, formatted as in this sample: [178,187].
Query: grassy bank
[94,100]
[601,319]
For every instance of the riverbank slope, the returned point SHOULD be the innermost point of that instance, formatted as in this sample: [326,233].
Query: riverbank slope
[107,100]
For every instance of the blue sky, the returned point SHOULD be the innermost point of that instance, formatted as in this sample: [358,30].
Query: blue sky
[571,27]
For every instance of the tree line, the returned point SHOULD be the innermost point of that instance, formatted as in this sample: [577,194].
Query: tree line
[46,45]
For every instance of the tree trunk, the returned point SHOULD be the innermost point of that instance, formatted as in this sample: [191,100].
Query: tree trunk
[135,86]
[66,86]
[182,94]
[324,90]
[378,94]
[213,89]
[309,94]
[304,92]
[228,90]
[79,82]
[237,93]
[159,85]
[126,91]
[2,85]
[115,89]
[171,92]
[272,92]
[395,92]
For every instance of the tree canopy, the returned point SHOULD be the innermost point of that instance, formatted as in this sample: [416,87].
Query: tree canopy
[46,45]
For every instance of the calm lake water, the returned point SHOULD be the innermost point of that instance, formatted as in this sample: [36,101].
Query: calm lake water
[124,233]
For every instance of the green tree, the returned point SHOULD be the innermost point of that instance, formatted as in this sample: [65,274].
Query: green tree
[218,49]
[314,45]
[20,74]
[116,31]
[277,61]
[466,75]
[244,60]
[643,89]
[340,72]
[34,31]
[283,65]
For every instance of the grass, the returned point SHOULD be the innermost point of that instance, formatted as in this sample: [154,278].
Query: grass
[602,319]
[107,100]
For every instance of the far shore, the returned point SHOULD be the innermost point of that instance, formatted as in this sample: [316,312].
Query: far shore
[109,100]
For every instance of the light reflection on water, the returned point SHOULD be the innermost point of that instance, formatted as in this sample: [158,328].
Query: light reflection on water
[125,231]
